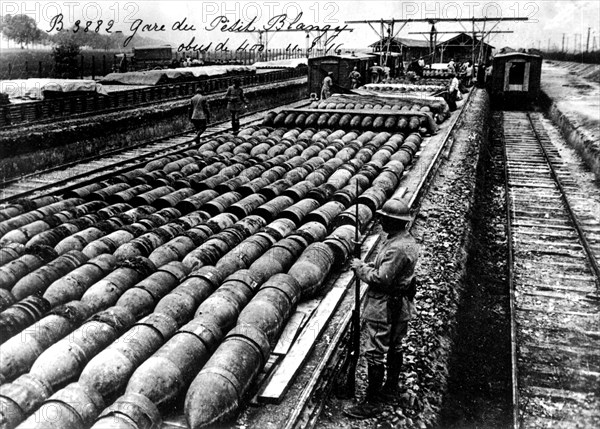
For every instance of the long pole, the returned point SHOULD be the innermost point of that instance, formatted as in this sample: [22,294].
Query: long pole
[355,353]
[587,44]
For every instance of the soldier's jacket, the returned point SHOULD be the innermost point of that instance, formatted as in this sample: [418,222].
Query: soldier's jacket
[390,276]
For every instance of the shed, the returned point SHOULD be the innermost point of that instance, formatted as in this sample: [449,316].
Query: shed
[409,49]
[460,48]
[340,66]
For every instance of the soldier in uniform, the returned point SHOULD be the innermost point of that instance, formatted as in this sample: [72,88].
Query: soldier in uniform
[236,103]
[199,113]
[390,306]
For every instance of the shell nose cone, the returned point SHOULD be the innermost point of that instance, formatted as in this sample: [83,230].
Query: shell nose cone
[216,402]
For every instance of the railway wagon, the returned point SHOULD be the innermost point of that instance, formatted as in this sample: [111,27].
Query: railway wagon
[516,78]
[152,56]
[340,66]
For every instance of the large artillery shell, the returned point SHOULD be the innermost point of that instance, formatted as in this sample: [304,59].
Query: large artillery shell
[166,374]
[276,260]
[15,270]
[181,303]
[40,213]
[225,304]
[341,242]
[10,252]
[326,213]
[216,393]
[141,299]
[245,253]
[312,267]
[109,371]
[20,315]
[74,284]
[40,279]
[74,407]
[107,291]
[270,308]
[117,416]
[145,244]
[63,361]
[19,352]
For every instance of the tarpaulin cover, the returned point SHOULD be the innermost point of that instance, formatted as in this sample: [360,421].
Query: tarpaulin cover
[34,89]
[156,77]
[290,63]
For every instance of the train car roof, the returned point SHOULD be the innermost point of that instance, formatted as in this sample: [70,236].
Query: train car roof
[516,54]
[348,56]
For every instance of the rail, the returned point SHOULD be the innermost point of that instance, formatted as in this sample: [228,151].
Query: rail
[530,163]
[14,115]
[511,292]
[119,167]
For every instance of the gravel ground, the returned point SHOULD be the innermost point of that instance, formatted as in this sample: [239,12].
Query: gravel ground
[479,388]
[444,229]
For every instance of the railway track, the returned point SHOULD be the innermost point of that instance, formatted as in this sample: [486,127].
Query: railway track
[62,178]
[554,248]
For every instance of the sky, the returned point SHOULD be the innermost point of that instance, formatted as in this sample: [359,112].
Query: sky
[548,20]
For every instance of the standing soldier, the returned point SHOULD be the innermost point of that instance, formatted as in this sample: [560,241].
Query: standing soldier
[326,87]
[199,113]
[354,78]
[390,306]
[375,73]
[421,64]
[236,103]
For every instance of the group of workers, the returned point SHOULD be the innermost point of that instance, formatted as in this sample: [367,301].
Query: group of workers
[199,112]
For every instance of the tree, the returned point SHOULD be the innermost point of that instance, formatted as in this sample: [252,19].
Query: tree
[21,28]
[65,59]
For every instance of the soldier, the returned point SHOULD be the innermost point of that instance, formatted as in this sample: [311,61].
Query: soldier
[326,88]
[236,103]
[390,306]
[354,78]
[199,113]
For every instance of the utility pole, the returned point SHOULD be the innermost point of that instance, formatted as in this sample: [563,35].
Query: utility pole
[587,44]
[563,43]
[548,44]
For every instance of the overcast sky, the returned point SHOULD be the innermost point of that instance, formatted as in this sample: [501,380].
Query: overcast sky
[548,20]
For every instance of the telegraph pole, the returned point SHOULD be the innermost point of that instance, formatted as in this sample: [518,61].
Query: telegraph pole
[587,44]
[563,43]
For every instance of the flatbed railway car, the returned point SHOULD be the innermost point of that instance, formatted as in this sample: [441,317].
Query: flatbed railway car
[515,79]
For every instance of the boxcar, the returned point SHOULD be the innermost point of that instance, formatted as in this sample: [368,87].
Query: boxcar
[340,66]
[515,80]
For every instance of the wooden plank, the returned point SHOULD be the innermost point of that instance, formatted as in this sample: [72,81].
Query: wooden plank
[297,355]
[301,349]
[291,330]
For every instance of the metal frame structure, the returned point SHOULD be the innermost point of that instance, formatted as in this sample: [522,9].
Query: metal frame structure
[387,26]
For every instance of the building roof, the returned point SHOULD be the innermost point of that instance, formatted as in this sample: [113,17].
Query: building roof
[416,43]
[409,43]
[464,37]
[516,54]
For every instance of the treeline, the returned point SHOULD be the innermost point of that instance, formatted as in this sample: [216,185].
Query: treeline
[22,29]
[581,57]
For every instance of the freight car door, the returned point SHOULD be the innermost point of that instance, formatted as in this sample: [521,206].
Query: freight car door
[516,75]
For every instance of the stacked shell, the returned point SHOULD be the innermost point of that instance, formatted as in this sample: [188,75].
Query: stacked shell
[115,297]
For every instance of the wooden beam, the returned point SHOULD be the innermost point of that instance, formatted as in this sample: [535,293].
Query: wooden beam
[286,372]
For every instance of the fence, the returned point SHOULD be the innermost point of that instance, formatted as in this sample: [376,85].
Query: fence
[19,114]
[100,64]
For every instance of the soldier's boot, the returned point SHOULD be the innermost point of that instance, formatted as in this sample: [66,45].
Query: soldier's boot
[235,125]
[391,391]
[369,407]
